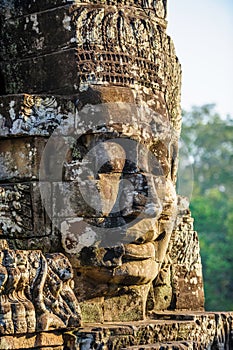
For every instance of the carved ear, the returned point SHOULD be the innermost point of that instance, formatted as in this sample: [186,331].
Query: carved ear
[174,161]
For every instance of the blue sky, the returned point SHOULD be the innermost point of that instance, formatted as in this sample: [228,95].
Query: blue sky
[202,31]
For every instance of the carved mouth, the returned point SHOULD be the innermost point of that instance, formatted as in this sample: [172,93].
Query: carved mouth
[129,264]
[139,251]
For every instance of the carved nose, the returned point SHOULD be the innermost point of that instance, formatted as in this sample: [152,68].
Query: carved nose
[108,185]
[110,161]
[109,157]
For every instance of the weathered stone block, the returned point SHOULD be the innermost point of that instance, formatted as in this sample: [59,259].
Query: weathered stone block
[47,244]
[164,346]
[17,8]
[20,158]
[173,331]
[129,306]
[32,341]
[96,62]
[22,213]
[68,201]
[188,287]
[37,34]
[57,74]
[92,311]
[131,195]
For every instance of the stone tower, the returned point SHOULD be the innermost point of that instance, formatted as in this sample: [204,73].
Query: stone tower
[92,229]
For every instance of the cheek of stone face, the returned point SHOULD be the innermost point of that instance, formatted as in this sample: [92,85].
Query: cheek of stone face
[142,231]
[167,220]
[139,196]
[158,215]
[76,235]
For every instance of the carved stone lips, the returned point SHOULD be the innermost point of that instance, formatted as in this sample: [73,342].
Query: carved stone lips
[139,251]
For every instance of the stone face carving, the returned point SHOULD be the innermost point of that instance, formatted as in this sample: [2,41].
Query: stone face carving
[126,245]
[135,180]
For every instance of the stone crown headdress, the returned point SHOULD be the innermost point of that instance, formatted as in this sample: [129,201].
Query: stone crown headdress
[62,48]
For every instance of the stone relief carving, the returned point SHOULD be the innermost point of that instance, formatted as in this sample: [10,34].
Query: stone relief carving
[125,257]
[38,115]
[36,292]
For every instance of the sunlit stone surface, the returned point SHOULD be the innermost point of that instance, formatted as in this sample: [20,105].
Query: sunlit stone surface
[92,229]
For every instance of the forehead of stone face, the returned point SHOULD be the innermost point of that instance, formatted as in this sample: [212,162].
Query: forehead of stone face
[126,118]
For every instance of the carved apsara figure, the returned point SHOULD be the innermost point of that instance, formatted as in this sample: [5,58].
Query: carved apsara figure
[35,295]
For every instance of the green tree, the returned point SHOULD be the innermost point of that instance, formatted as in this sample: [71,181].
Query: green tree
[209,139]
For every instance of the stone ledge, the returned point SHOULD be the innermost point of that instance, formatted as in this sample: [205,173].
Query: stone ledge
[45,340]
[171,331]
[164,346]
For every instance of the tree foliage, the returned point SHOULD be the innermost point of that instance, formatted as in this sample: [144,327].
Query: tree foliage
[209,139]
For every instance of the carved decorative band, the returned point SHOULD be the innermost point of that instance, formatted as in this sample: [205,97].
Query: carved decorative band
[158,6]
[118,69]
[120,46]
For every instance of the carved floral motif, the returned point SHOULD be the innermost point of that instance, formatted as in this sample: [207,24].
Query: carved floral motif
[37,114]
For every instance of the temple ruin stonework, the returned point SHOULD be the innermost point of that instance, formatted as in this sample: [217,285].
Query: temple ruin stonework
[98,251]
